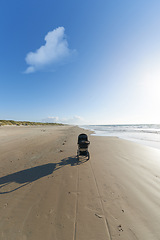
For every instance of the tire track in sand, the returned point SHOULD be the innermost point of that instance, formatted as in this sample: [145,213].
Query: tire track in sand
[102,207]
[76,207]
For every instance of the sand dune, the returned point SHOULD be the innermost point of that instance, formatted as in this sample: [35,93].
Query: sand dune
[46,194]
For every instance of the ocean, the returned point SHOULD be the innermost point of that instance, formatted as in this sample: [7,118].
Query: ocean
[146,134]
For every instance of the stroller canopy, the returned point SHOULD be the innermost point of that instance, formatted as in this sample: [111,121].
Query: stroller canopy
[82,137]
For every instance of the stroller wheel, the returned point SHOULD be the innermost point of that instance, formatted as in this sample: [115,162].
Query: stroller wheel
[78,155]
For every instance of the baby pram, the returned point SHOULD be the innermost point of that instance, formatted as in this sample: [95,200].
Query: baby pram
[83,146]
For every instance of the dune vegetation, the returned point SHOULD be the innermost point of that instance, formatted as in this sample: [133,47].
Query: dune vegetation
[24,123]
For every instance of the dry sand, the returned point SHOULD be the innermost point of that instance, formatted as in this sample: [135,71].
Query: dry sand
[46,195]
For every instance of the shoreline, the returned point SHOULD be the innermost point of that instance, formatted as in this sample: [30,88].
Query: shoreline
[140,140]
[46,194]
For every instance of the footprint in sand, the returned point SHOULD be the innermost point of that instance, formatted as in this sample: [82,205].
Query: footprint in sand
[120,228]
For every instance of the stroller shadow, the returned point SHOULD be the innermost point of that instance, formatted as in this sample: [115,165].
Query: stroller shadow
[30,175]
[71,161]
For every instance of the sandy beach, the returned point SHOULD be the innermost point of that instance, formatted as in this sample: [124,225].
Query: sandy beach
[45,193]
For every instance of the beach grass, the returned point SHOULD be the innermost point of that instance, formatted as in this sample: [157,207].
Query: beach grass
[25,123]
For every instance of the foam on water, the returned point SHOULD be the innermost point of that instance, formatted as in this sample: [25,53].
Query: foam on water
[148,134]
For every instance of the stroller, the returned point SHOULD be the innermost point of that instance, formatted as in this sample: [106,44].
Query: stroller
[83,146]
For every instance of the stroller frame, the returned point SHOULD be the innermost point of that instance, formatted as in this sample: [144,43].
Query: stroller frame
[83,144]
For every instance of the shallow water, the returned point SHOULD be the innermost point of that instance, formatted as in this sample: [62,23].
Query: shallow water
[147,134]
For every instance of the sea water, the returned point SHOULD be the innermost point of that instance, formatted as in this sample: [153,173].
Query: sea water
[147,134]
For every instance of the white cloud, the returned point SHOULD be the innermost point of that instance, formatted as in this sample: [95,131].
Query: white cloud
[76,120]
[53,52]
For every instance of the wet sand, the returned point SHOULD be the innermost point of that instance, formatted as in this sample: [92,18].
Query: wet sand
[46,194]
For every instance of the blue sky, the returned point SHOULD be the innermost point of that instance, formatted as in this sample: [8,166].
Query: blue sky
[91,62]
